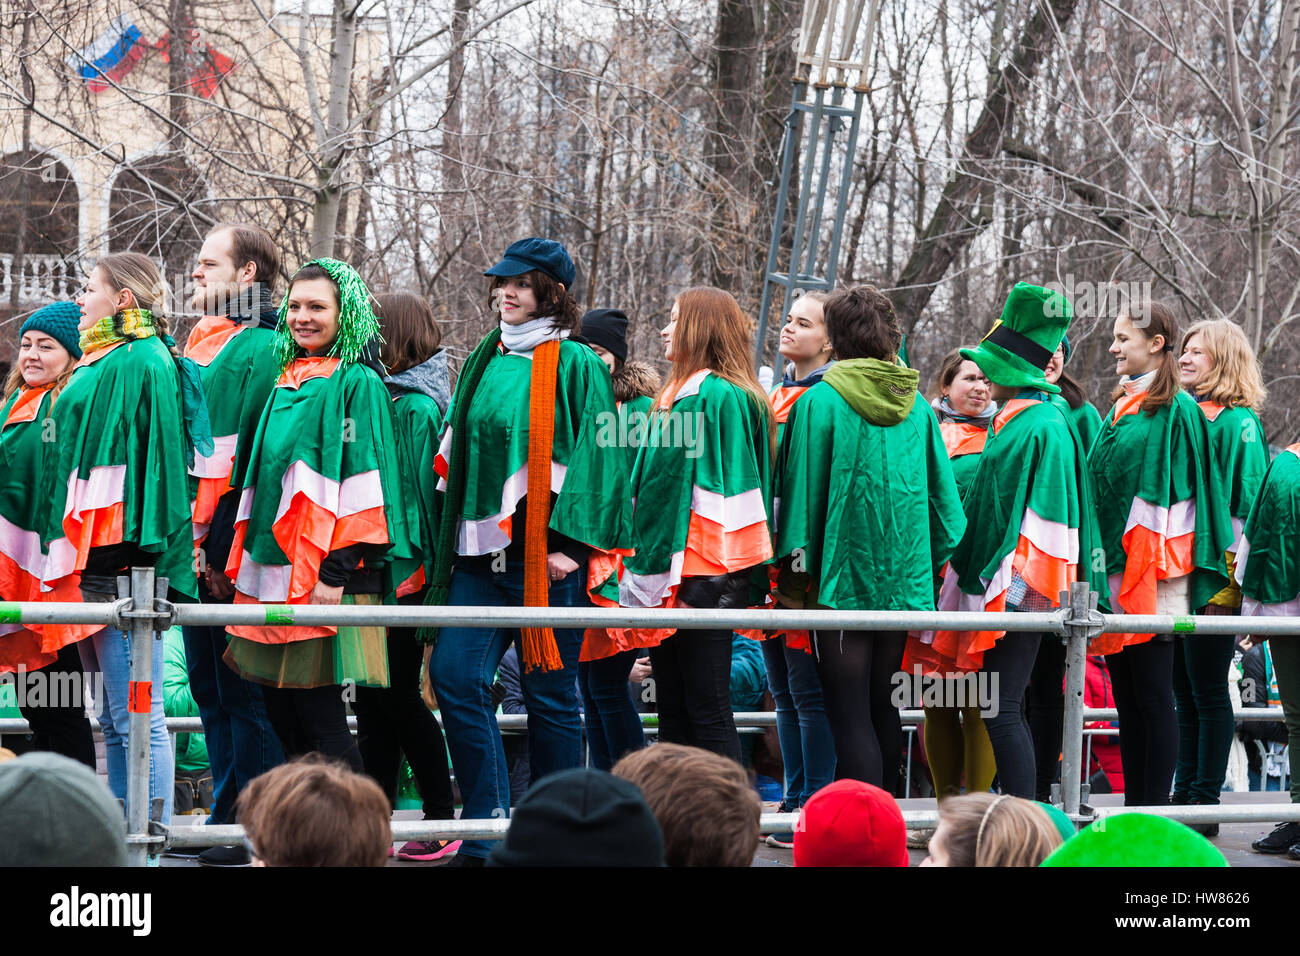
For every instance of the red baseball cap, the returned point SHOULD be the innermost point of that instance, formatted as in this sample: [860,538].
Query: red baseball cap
[850,823]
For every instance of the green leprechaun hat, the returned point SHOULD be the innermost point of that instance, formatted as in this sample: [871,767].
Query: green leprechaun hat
[1136,839]
[1018,347]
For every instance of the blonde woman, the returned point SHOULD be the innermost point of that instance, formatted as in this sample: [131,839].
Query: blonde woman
[1218,367]
[116,482]
[981,829]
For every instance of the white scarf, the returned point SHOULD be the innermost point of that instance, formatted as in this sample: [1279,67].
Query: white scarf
[1138,383]
[526,336]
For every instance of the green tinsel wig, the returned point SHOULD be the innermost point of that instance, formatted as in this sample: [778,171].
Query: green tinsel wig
[357,322]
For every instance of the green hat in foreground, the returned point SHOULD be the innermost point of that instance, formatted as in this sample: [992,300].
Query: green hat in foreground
[1136,839]
[1064,825]
[1018,347]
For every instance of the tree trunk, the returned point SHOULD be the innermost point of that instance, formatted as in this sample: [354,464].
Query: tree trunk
[955,220]
[732,140]
[329,192]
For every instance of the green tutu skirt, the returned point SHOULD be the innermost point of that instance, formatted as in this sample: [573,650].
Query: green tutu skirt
[355,654]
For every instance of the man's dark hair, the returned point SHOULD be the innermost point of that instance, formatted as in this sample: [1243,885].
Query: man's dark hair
[860,323]
[250,243]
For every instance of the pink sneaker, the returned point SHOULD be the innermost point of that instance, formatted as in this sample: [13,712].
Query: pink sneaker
[422,851]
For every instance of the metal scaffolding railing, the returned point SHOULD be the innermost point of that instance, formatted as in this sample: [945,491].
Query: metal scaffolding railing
[143,611]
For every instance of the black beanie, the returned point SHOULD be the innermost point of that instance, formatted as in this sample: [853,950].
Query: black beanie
[581,818]
[608,329]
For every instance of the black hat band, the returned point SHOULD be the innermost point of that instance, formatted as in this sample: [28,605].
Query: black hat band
[1021,345]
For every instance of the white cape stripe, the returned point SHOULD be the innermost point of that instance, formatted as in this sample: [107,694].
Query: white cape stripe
[1243,558]
[1051,537]
[265,582]
[22,547]
[484,535]
[1252,608]
[102,489]
[357,493]
[733,512]
[220,463]
[650,590]
[1172,522]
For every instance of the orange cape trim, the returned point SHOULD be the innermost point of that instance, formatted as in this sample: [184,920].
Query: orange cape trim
[28,404]
[209,337]
[963,438]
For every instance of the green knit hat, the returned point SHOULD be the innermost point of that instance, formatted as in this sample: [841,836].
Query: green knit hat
[59,321]
[1018,347]
[358,325]
[1136,839]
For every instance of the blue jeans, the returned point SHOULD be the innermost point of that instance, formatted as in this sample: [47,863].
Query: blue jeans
[613,724]
[241,743]
[807,747]
[108,653]
[463,667]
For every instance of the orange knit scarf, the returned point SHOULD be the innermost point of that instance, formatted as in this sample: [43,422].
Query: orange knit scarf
[540,649]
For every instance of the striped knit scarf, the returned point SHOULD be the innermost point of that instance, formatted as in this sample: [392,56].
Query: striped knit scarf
[134,324]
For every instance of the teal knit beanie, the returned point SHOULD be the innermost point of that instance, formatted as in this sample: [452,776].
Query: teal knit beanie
[59,321]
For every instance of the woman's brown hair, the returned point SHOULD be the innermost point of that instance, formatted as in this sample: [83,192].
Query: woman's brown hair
[1234,381]
[712,332]
[411,334]
[1157,319]
[984,829]
[553,299]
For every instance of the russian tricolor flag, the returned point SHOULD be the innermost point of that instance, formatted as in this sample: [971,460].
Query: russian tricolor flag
[112,55]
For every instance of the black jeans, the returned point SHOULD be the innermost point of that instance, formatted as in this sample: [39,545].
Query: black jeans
[394,720]
[312,720]
[1011,659]
[857,669]
[1205,724]
[1142,677]
[1045,711]
[62,729]
[692,672]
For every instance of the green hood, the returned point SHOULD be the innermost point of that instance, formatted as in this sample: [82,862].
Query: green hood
[880,392]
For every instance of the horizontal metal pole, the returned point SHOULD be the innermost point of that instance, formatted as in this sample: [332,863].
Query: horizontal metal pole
[744,719]
[253,615]
[1198,624]
[315,615]
[1222,813]
[57,612]
[495,829]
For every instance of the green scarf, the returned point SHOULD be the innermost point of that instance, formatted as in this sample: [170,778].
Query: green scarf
[130,325]
[452,501]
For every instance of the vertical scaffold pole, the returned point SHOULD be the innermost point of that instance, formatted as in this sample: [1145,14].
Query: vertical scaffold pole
[1080,625]
[139,709]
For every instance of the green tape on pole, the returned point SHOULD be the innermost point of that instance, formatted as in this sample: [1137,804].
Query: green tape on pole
[11,614]
[279,614]
[1184,625]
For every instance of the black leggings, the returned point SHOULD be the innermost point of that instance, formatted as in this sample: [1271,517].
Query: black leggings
[61,726]
[692,675]
[312,720]
[1012,660]
[1142,676]
[394,720]
[857,671]
[1045,710]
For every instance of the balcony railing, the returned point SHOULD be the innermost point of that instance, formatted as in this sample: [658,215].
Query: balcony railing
[41,279]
